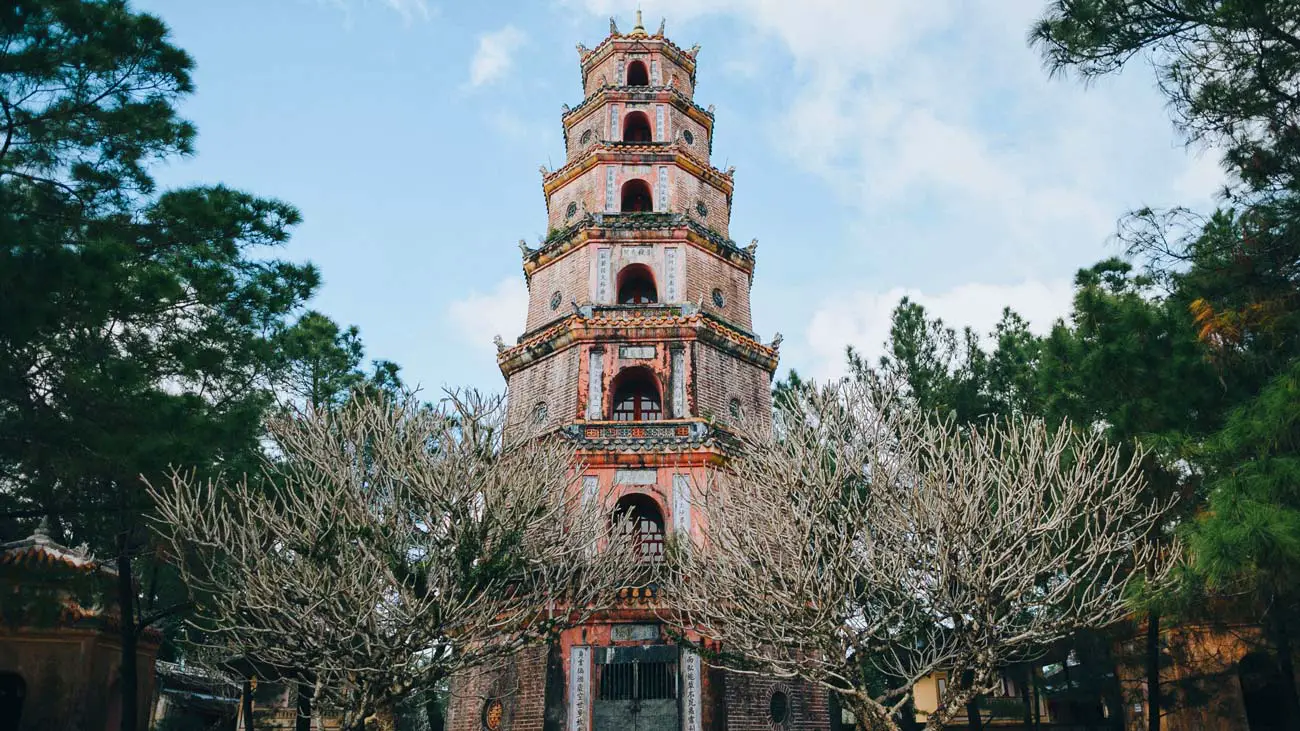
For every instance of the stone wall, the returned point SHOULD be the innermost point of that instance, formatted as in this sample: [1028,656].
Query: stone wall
[553,381]
[749,703]
[520,683]
[720,377]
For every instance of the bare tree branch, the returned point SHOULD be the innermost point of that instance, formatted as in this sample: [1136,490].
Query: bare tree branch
[862,545]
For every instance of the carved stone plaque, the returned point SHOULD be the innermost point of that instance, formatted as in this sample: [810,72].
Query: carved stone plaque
[636,352]
[627,632]
[636,477]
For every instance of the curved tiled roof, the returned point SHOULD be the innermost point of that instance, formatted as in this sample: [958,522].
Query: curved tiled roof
[636,221]
[39,551]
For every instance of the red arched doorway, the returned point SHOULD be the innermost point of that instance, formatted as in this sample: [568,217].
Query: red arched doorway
[636,285]
[636,395]
[636,127]
[636,197]
[643,524]
[637,75]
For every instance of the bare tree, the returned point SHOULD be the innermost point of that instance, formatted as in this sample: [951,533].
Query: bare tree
[862,546]
[386,546]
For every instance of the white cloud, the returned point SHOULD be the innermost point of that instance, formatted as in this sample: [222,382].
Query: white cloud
[502,311]
[962,161]
[495,55]
[862,319]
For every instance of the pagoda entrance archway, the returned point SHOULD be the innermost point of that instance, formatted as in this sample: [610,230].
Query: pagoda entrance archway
[636,689]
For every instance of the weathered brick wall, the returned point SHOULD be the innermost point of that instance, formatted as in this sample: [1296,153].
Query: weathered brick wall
[720,377]
[678,122]
[520,684]
[749,705]
[553,381]
[685,191]
[569,276]
[704,272]
[592,128]
[606,72]
[689,191]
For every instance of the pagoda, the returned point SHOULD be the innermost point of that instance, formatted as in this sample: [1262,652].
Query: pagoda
[638,346]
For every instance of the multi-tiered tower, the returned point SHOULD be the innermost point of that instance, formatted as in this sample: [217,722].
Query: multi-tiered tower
[639,346]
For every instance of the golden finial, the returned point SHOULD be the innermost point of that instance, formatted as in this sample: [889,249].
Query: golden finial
[639,30]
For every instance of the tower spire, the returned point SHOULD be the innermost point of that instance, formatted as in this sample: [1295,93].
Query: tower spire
[639,30]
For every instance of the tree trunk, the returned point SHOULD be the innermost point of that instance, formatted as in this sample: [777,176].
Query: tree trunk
[1027,672]
[128,672]
[1038,701]
[974,721]
[1282,640]
[246,705]
[1153,671]
[303,720]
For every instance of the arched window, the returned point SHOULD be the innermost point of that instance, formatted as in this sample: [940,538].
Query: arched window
[636,127]
[643,523]
[636,197]
[1263,692]
[13,691]
[636,285]
[637,75]
[636,395]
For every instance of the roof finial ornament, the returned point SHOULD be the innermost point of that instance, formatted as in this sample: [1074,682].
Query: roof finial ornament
[523,248]
[776,342]
[753,246]
[638,29]
[662,23]
[43,528]
[501,344]
[613,27]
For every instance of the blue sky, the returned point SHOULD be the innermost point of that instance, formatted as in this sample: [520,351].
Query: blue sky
[882,147]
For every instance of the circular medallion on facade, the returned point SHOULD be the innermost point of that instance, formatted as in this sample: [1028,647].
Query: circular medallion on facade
[778,708]
[571,211]
[719,299]
[586,137]
[492,711]
[555,300]
[701,209]
[690,138]
[540,412]
[734,407]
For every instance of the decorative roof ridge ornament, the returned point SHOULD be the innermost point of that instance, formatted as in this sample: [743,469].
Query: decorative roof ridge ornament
[523,249]
[583,52]
[753,247]
[638,30]
[660,33]
[497,341]
[613,27]
[693,51]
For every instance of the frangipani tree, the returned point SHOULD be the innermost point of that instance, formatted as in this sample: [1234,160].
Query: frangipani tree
[388,545]
[863,545]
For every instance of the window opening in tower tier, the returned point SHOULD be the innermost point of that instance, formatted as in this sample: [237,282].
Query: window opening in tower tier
[636,286]
[636,127]
[636,396]
[643,524]
[637,74]
[636,197]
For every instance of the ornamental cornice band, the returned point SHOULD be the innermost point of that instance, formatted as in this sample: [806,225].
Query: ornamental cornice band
[631,327]
[667,225]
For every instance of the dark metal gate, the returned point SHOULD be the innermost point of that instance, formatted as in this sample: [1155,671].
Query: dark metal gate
[636,689]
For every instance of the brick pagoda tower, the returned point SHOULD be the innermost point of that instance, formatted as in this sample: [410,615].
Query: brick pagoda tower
[638,346]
